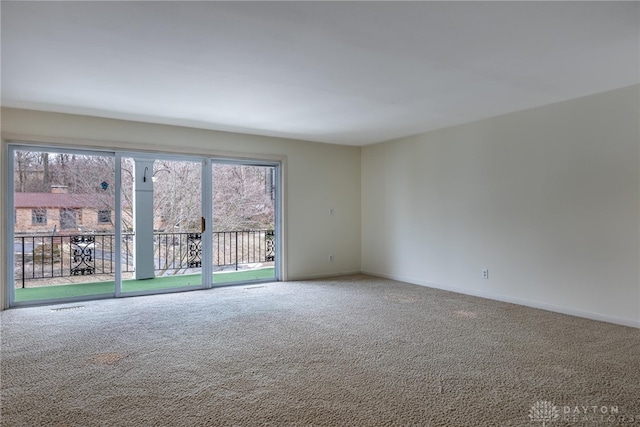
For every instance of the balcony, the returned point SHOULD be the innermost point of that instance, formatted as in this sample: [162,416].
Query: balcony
[49,266]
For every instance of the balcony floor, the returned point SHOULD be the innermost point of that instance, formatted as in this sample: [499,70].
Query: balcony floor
[157,283]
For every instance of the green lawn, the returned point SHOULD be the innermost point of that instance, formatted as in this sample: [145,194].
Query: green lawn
[158,283]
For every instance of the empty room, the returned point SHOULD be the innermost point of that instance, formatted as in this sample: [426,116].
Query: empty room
[320,213]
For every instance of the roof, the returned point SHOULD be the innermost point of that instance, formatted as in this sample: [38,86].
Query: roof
[62,200]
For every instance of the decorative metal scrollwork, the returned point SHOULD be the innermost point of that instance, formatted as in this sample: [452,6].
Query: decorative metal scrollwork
[83,262]
[194,250]
[270,240]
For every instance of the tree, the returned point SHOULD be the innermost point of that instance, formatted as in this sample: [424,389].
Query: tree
[242,197]
[242,194]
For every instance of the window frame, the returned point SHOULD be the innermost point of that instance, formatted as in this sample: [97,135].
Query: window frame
[39,216]
[104,216]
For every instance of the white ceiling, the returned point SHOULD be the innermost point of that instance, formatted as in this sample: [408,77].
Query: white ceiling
[338,72]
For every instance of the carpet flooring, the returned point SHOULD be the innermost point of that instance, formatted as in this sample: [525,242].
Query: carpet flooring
[349,351]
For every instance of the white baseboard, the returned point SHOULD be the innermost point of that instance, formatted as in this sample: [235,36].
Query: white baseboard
[504,298]
[322,276]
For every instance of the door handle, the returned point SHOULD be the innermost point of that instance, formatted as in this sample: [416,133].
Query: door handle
[202,224]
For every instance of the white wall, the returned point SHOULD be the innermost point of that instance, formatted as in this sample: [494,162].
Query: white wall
[547,199]
[318,177]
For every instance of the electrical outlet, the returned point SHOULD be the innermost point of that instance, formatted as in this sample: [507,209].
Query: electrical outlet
[330,258]
[485,273]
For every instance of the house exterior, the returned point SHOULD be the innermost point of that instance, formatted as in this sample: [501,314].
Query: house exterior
[61,212]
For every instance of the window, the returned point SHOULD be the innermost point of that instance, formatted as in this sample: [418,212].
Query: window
[67,219]
[38,216]
[104,216]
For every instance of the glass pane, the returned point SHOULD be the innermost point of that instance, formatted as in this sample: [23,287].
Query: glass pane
[243,223]
[161,224]
[64,225]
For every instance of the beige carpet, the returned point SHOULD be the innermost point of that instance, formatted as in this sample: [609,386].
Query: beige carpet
[354,351]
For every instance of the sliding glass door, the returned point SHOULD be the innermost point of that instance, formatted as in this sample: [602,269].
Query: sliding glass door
[97,224]
[63,225]
[162,224]
[244,239]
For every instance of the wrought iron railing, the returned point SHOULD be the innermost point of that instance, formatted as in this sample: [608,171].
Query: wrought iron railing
[44,257]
